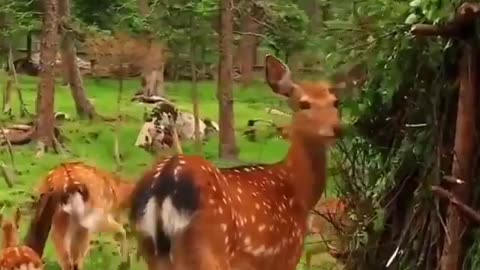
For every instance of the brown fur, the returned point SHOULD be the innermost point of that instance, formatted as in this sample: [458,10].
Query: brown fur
[13,256]
[99,190]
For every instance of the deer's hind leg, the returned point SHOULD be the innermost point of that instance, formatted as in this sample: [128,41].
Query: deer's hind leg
[80,247]
[155,253]
[62,236]
[200,249]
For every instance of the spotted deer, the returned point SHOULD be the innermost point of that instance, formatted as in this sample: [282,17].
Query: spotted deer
[77,200]
[189,214]
[13,255]
[328,219]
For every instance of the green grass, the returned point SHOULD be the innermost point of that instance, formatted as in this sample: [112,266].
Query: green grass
[93,142]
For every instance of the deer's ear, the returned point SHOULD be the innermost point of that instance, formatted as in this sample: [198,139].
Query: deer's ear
[278,76]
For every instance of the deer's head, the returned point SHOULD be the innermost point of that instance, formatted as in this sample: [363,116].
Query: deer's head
[314,106]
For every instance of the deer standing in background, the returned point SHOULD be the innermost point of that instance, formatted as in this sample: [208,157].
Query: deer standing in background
[329,219]
[13,256]
[189,214]
[78,200]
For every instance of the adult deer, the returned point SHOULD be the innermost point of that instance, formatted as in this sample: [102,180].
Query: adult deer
[15,256]
[79,200]
[191,215]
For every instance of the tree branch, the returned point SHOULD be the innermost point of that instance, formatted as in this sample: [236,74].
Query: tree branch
[466,14]
[426,30]
[470,212]
[254,34]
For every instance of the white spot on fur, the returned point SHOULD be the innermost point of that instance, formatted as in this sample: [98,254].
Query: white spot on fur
[258,251]
[261,227]
[174,221]
[175,172]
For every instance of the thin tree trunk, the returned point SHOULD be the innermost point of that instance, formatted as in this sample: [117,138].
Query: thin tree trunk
[196,109]
[464,149]
[7,97]
[153,62]
[83,106]
[246,51]
[227,145]
[48,53]
[29,46]
[12,73]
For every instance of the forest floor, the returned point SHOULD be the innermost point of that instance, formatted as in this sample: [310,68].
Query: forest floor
[93,143]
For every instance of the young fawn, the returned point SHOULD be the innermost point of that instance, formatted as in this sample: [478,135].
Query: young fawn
[78,200]
[13,256]
[188,214]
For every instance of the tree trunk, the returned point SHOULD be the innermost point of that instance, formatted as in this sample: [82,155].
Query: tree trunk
[246,52]
[12,73]
[153,65]
[7,97]
[196,109]
[153,78]
[29,45]
[83,106]
[46,88]
[462,168]
[227,145]
[3,37]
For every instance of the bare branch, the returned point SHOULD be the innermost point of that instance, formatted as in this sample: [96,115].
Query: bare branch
[426,30]
[470,212]
[254,34]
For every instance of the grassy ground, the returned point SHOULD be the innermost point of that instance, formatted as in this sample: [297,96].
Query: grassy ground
[93,142]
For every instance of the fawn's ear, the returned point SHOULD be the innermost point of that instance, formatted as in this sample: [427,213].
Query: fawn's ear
[278,76]
[18,216]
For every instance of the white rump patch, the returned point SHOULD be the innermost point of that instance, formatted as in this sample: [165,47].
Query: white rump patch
[75,205]
[174,220]
[93,219]
[148,223]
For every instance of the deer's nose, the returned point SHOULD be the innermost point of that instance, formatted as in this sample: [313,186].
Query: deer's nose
[338,130]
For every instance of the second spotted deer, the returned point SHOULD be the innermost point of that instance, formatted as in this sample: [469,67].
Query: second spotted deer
[191,215]
[78,200]
[14,256]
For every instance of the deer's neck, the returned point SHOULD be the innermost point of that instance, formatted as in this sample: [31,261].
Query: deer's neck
[307,163]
